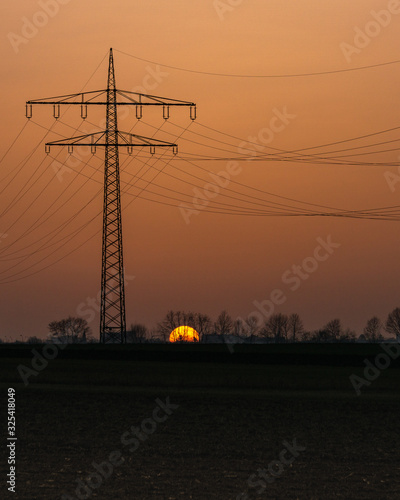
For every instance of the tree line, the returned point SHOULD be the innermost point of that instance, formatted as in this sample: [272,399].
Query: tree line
[278,328]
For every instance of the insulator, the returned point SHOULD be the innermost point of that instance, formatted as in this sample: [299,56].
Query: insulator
[193,112]
[93,146]
[130,150]
[165,111]
[139,111]
[28,111]
[175,149]
[70,149]
[56,111]
[83,111]
[152,150]
[47,148]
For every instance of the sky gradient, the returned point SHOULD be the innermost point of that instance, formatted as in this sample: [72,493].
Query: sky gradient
[201,260]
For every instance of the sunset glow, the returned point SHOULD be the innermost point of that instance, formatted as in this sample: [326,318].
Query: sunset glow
[236,210]
[184,334]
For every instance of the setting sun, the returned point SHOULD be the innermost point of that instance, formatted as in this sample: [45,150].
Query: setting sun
[184,334]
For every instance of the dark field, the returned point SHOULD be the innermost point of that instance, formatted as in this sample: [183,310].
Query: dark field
[235,412]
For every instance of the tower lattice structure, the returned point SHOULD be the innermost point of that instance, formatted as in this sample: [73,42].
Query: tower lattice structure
[112,307]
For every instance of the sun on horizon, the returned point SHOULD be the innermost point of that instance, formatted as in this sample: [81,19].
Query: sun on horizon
[184,334]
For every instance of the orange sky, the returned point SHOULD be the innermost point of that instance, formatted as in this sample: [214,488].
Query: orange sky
[216,261]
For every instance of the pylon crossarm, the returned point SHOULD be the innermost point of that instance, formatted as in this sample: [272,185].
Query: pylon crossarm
[99,98]
[79,140]
[151,100]
[124,139]
[133,98]
[85,97]
[139,140]
[82,99]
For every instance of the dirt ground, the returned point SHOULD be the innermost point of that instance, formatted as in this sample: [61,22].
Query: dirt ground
[205,440]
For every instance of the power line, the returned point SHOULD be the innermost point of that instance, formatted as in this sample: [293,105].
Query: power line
[9,149]
[234,75]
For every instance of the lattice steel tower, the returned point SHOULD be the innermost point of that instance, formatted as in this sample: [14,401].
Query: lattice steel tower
[112,313]
[112,308]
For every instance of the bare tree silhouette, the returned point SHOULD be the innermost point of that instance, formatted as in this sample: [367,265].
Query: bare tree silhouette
[333,329]
[137,334]
[70,330]
[295,326]
[252,325]
[34,340]
[224,324]
[200,322]
[393,322]
[203,325]
[239,328]
[372,330]
[276,327]
[169,323]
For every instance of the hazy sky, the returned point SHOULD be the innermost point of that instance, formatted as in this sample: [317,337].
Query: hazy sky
[50,244]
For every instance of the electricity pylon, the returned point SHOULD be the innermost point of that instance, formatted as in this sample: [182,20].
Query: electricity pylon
[112,308]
